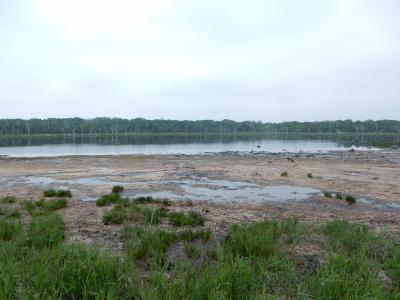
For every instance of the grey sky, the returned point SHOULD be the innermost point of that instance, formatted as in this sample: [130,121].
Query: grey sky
[269,60]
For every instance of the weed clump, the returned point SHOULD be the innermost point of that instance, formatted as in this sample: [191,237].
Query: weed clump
[9,229]
[117,189]
[8,199]
[253,240]
[350,199]
[284,174]
[43,206]
[45,231]
[190,235]
[309,175]
[327,194]
[59,193]
[108,199]
[339,196]
[181,219]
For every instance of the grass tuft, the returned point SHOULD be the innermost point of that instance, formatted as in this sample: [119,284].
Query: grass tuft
[350,199]
[117,189]
[8,199]
[284,174]
[181,219]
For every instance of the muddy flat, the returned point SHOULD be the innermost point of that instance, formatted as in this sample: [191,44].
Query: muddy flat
[226,188]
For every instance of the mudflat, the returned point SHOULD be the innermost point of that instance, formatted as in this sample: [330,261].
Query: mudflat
[372,177]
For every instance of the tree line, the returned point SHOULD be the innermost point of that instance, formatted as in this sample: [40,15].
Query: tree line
[115,126]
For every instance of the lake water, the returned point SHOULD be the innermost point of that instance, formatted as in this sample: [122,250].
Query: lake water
[177,145]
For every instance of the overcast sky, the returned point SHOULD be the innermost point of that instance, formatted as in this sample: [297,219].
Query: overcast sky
[269,60]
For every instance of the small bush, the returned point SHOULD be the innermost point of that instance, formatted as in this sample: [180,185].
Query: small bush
[284,174]
[45,231]
[9,229]
[8,199]
[108,199]
[339,196]
[309,175]
[350,199]
[117,189]
[327,194]
[192,218]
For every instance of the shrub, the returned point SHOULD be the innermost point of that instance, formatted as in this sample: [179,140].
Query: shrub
[284,174]
[117,189]
[309,175]
[143,199]
[192,218]
[328,194]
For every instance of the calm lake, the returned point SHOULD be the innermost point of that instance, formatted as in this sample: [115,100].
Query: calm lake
[182,144]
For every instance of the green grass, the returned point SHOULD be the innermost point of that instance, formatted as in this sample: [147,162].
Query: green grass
[339,196]
[147,242]
[192,218]
[46,231]
[251,261]
[8,199]
[43,206]
[57,193]
[117,189]
[10,213]
[284,174]
[108,199]
[190,235]
[9,229]
[130,211]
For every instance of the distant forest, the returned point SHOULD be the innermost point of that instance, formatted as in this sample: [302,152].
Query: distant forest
[115,126]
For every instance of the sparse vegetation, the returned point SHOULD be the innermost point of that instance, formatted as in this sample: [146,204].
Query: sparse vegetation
[339,196]
[327,194]
[284,174]
[117,189]
[309,175]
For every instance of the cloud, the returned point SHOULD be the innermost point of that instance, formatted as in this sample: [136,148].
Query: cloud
[265,60]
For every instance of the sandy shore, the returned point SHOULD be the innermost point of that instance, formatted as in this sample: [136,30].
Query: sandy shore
[374,176]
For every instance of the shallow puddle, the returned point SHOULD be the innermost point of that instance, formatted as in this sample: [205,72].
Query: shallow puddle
[224,191]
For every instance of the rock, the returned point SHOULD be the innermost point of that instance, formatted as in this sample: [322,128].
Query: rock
[386,280]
